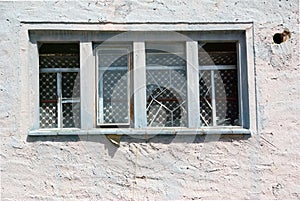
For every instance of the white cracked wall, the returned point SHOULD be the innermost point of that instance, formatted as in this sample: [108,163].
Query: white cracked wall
[264,166]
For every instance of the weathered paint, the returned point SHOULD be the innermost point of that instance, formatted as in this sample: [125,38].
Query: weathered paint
[263,166]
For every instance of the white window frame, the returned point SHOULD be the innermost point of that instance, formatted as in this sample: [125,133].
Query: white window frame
[99,102]
[138,34]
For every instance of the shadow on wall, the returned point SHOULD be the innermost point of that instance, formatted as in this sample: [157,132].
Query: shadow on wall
[162,139]
[127,139]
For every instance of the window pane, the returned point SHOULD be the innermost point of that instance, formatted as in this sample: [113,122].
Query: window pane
[113,91]
[205,98]
[48,115]
[217,54]
[218,84]
[166,85]
[48,100]
[71,115]
[59,85]
[71,85]
[226,97]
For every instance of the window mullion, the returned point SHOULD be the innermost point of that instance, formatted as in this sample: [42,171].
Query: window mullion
[243,84]
[213,97]
[139,84]
[240,80]
[59,100]
[87,86]
[34,80]
[100,98]
[192,84]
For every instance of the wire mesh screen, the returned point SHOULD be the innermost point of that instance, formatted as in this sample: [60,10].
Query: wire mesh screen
[113,86]
[205,90]
[219,58]
[59,90]
[48,90]
[71,115]
[217,54]
[166,89]
[70,85]
[115,96]
[59,61]
[166,103]
[226,97]
[48,115]
[218,86]
[48,100]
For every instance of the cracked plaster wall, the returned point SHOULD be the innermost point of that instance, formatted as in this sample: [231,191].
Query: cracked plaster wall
[264,166]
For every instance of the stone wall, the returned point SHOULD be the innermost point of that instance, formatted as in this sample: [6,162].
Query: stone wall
[265,165]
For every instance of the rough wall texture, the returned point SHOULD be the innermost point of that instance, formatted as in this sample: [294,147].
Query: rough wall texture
[264,166]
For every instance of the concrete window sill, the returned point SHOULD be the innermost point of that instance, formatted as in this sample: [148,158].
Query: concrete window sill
[144,131]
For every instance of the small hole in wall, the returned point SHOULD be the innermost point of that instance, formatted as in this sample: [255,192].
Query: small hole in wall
[277,38]
[281,37]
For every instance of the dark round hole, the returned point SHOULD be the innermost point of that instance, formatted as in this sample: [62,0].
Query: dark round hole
[278,38]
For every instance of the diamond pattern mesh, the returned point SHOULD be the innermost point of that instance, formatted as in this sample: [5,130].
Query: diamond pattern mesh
[210,58]
[226,97]
[166,90]
[59,61]
[113,60]
[70,89]
[161,59]
[217,54]
[48,100]
[115,96]
[48,115]
[205,98]
[71,115]
[113,85]
[48,90]
[70,85]
[225,85]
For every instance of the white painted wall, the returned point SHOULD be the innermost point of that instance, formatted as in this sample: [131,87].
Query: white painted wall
[264,166]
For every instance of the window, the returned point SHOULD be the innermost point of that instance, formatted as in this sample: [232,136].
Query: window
[114,84]
[137,82]
[218,84]
[59,85]
[166,86]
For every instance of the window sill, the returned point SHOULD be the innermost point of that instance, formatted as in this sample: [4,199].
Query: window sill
[147,131]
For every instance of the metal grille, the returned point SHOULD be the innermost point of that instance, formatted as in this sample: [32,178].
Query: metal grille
[218,85]
[166,90]
[166,87]
[212,58]
[115,101]
[113,59]
[48,87]
[163,59]
[59,91]
[71,115]
[59,61]
[70,85]
[48,100]
[205,98]
[48,115]
[224,100]
[113,86]
[226,97]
